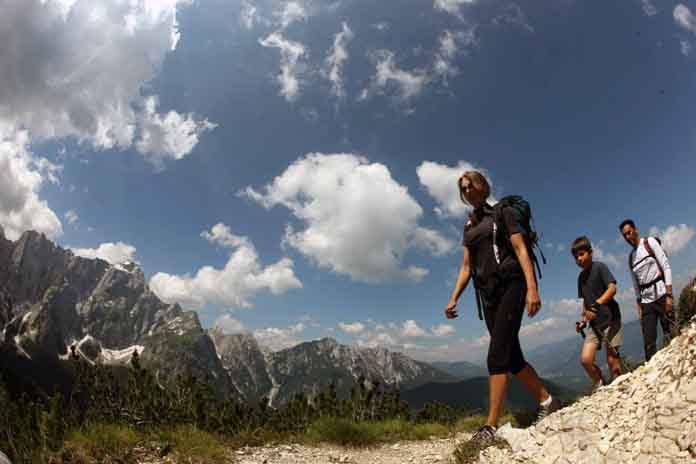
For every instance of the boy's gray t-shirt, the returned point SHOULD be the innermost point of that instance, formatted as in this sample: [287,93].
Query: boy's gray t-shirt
[592,283]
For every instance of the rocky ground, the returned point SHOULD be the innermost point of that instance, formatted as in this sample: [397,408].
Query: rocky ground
[432,451]
[646,417]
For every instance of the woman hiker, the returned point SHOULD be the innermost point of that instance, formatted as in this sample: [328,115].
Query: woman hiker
[504,277]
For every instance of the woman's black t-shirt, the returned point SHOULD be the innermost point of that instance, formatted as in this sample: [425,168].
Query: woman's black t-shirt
[479,239]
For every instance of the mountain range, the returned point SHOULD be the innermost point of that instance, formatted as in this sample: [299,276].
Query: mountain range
[53,302]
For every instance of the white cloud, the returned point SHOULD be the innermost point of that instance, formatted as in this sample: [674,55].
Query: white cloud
[290,53]
[410,329]
[565,307]
[278,339]
[648,8]
[249,15]
[441,183]
[409,84]
[353,329]
[546,330]
[71,216]
[433,242]
[451,43]
[169,136]
[112,253]
[20,183]
[337,57]
[610,259]
[292,11]
[452,6]
[674,238]
[358,221]
[240,279]
[443,330]
[684,18]
[62,67]
[229,325]
[685,47]
[512,14]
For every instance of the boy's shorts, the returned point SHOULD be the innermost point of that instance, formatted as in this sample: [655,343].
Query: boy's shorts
[613,334]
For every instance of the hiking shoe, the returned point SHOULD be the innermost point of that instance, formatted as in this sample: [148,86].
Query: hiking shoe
[544,411]
[484,437]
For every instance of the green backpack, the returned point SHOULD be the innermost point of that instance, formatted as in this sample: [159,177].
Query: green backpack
[523,214]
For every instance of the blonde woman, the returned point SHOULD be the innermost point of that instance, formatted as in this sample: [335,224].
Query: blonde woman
[503,274]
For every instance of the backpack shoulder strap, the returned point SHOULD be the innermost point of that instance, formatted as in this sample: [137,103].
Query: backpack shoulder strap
[651,253]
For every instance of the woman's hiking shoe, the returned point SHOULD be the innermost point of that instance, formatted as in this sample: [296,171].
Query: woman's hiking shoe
[544,411]
[484,437]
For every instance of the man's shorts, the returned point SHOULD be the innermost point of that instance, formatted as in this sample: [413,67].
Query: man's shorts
[613,334]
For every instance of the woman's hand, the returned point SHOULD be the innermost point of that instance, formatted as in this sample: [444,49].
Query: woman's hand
[450,310]
[533,301]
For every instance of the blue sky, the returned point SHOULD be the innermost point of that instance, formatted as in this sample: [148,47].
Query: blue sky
[288,167]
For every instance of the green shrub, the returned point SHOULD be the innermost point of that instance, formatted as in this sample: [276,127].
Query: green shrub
[96,442]
[193,444]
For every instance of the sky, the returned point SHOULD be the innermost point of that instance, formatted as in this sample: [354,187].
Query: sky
[288,168]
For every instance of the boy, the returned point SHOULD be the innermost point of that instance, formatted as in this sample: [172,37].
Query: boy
[596,288]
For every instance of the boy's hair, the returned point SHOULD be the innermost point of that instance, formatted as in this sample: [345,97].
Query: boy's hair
[626,222]
[581,244]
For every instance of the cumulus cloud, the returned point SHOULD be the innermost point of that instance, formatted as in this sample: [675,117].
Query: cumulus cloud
[565,307]
[674,238]
[443,330]
[648,8]
[433,242]
[440,181]
[357,220]
[290,53]
[353,329]
[279,338]
[410,329]
[61,65]
[610,259]
[235,284]
[21,179]
[337,57]
[229,325]
[684,18]
[546,330]
[71,216]
[169,136]
[112,253]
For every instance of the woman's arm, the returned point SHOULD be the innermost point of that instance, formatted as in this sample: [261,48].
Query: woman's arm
[533,300]
[459,286]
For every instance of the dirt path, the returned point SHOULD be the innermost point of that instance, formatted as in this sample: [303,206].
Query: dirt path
[422,452]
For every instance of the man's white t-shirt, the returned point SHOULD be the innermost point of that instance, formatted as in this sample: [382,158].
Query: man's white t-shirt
[644,269]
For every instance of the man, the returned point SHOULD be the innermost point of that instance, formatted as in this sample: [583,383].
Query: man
[652,280]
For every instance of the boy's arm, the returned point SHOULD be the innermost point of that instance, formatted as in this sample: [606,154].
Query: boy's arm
[608,294]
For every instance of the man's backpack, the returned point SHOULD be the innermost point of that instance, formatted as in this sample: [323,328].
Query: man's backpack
[651,254]
[523,214]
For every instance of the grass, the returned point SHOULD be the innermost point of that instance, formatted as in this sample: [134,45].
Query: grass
[360,434]
[194,445]
[97,443]
[105,443]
